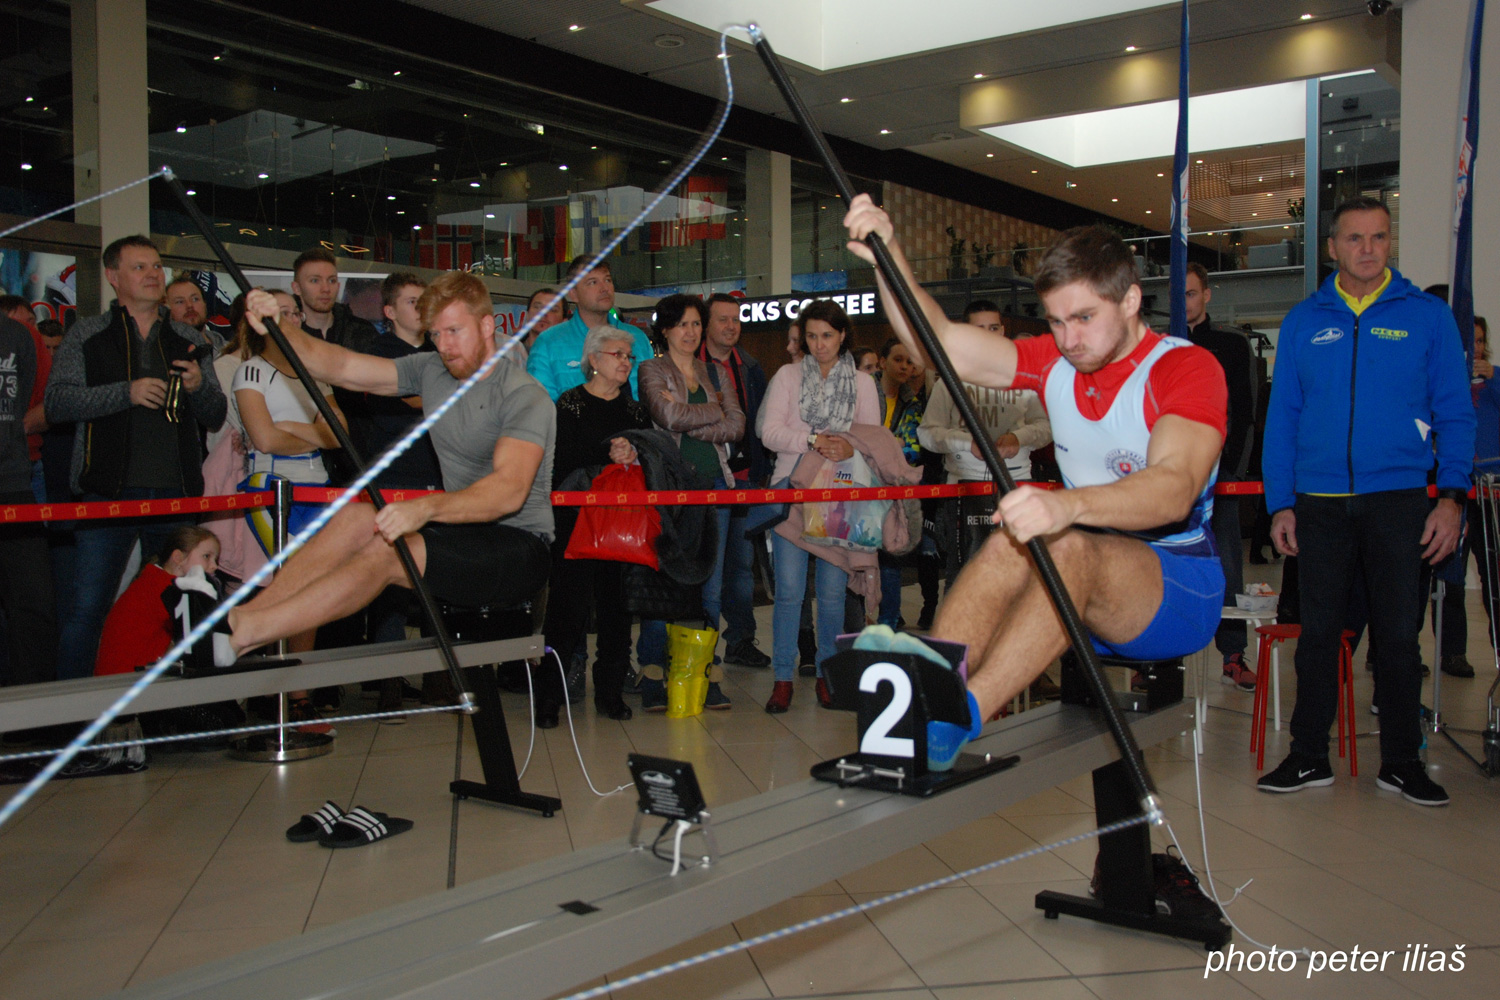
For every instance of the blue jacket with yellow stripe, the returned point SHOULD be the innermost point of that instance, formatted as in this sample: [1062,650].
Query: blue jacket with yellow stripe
[1360,403]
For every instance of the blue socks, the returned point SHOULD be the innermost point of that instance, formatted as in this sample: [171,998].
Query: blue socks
[945,741]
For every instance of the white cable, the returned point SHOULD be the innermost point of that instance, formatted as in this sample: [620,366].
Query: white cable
[561,672]
[682,827]
[531,714]
[1208,871]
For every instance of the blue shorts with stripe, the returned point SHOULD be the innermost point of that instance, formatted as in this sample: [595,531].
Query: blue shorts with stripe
[1191,604]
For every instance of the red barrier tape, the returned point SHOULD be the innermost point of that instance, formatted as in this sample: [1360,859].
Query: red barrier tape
[32,512]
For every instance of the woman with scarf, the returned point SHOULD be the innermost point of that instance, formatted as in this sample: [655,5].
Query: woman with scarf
[808,404]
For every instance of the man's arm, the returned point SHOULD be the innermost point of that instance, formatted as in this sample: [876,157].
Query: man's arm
[207,401]
[502,492]
[941,429]
[1283,413]
[69,397]
[1179,460]
[539,365]
[327,362]
[979,356]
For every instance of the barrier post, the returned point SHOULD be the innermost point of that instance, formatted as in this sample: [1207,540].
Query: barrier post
[281,745]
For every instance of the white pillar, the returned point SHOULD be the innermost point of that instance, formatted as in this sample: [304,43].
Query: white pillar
[768,213]
[110,127]
[1432,53]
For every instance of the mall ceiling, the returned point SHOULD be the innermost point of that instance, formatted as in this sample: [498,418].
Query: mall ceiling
[912,103]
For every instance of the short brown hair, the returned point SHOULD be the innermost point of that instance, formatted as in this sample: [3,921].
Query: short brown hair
[451,287]
[309,256]
[111,255]
[1360,204]
[1093,255]
[577,264]
[1193,267]
[390,288]
[183,279]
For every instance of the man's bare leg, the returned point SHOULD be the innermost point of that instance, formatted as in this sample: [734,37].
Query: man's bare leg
[1115,583]
[988,585]
[340,538]
[345,588]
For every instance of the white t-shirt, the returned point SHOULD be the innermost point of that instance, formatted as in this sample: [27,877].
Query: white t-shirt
[286,400]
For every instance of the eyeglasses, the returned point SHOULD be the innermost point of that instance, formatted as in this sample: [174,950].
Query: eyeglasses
[624,356]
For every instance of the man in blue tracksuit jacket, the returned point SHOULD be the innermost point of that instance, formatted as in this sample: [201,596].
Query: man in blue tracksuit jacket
[1370,380]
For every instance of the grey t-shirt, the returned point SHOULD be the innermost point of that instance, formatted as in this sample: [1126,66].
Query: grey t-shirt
[509,403]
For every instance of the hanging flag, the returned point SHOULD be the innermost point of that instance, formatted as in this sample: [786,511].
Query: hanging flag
[545,240]
[1178,286]
[445,247]
[706,204]
[584,222]
[1462,283]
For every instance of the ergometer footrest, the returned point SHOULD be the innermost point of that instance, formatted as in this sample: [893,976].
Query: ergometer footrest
[895,696]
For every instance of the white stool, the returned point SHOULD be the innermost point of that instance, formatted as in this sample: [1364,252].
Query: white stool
[1254,619]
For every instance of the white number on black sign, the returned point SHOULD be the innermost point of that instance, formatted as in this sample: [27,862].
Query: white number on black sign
[877,739]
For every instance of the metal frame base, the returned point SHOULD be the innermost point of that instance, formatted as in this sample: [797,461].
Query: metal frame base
[281,747]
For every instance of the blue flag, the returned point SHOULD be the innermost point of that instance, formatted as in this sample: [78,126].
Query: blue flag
[1178,287]
[1462,284]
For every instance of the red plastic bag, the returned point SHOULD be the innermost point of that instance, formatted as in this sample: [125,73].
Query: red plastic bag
[617,534]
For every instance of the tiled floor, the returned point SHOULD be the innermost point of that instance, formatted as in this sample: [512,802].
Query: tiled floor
[114,881]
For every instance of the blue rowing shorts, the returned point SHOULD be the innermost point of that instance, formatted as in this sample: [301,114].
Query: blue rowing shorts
[1192,603]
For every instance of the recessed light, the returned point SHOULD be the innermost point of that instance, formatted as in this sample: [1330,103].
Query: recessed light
[1114,199]
[190,191]
[562,166]
[25,166]
[263,176]
[1268,194]
[29,100]
[885,131]
[669,41]
[1198,161]
[473,184]
[1148,211]
[390,197]
[723,158]
[845,100]
[575,27]
[1130,48]
[489,215]
[1305,17]
[181,129]
[217,58]
[397,73]
[400,211]
[1395,194]
[417,226]
[990,155]
[979,76]
[1161,175]
[1034,171]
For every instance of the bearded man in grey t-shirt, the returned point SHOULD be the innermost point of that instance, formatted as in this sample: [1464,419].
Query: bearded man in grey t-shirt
[484,539]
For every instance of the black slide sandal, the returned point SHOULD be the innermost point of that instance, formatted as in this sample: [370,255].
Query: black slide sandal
[359,827]
[313,826]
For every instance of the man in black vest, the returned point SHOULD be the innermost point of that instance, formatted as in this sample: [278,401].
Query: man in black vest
[138,386]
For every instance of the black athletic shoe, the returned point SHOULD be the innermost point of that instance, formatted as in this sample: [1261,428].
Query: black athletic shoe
[924,620]
[746,654]
[1296,773]
[1457,666]
[1410,779]
[1178,890]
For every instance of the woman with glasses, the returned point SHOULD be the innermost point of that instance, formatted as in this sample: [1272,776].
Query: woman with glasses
[677,389]
[588,417]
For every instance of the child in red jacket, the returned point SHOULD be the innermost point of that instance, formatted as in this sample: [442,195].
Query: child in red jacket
[139,628]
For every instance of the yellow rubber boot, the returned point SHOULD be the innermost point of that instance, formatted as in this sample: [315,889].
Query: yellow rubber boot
[690,653]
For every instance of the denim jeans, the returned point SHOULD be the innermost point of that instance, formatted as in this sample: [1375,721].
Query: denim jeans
[651,644]
[890,589]
[713,587]
[738,594]
[830,583]
[1375,536]
[103,549]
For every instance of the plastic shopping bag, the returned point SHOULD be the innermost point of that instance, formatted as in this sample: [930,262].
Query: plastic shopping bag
[852,524]
[617,534]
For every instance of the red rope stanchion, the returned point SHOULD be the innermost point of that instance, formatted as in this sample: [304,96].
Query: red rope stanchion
[30,513]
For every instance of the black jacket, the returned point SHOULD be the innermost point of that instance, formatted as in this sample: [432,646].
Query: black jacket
[1231,349]
[747,453]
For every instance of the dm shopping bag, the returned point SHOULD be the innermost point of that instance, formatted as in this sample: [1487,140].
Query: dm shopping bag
[852,524]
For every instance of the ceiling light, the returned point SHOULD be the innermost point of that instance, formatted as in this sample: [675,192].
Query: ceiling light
[1254,213]
[979,76]
[400,211]
[25,166]
[1305,17]
[181,129]
[845,100]
[1395,194]
[669,41]
[417,226]
[1130,48]
[562,166]
[723,158]
[1069,185]
[1197,161]
[263,176]
[489,215]
[885,131]
[1268,194]
[217,58]
[190,191]
[990,155]
[575,27]
[397,73]
[1114,199]
[1161,175]
[473,184]
[1033,171]
[505,163]
[1148,211]
[390,197]
[29,100]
